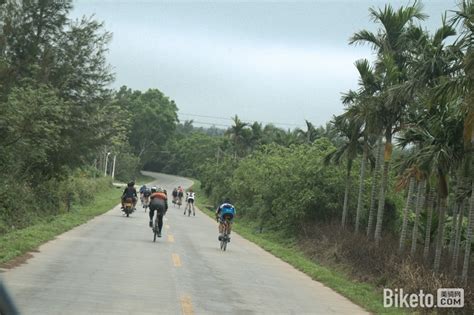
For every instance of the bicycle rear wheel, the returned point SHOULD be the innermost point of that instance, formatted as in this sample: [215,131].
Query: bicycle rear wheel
[223,245]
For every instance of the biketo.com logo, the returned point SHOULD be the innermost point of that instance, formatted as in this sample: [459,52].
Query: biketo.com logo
[445,297]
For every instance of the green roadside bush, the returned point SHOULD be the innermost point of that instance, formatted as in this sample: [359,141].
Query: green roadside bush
[22,204]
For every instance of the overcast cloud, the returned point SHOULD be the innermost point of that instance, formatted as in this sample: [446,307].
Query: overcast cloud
[280,62]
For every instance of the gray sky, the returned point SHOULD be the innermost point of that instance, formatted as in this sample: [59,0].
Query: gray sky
[280,62]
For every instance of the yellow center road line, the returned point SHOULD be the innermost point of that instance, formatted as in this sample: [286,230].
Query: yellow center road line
[170,238]
[187,305]
[176,260]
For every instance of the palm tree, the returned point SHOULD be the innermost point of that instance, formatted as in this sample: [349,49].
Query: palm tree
[429,219]
[420,202]
[287,138]
[408,206]
[440,152]
[361,108]
[351,131]
[390,42]
[457,241]
[256,136]
[310,134]
[462,85]
[237,134]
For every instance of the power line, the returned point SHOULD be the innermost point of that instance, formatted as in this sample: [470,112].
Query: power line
[210,124]
[223,118]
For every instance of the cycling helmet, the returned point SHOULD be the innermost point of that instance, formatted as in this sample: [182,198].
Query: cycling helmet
[131,184]
[153,189]
[226,200]
[160,189]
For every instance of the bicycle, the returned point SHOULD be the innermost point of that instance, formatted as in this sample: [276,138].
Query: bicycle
[146,202]
[155,229]
[187,208]
[225,238]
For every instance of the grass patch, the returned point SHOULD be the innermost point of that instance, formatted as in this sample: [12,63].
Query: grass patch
[19,242]
[364,294]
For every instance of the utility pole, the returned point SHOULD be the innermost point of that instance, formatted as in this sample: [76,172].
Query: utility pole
[106,160]
[113,167]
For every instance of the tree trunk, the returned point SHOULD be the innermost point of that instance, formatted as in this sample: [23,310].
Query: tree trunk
[408,206]
[452,236]
[440,238]
[375,180]
[454,262]
[383,187]
[361,186]
[429,218]
[346,194]
[470,229]
[420,202]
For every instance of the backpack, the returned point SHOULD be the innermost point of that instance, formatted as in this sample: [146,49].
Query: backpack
[130,192]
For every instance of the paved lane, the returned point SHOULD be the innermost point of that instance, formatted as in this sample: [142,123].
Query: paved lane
[111,266]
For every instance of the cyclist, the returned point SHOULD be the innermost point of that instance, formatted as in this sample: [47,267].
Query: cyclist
[130,192]
[180,196]
[159,202]
[175,195]
[190,196]
[225,212]
[146,197]
[142,189]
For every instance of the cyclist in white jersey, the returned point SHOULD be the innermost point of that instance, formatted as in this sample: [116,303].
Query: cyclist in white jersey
[190,196]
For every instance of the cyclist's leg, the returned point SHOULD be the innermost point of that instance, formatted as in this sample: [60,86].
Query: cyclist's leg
[229,227]
[221,229]
[160,223]
[151,214]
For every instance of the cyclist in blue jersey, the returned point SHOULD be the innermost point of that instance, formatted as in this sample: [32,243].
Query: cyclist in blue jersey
[225,212]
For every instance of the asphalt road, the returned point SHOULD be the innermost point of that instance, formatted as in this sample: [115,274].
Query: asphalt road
[111,266]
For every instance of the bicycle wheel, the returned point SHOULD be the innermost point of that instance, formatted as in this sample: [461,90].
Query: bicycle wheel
[155,228]
[222,244]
